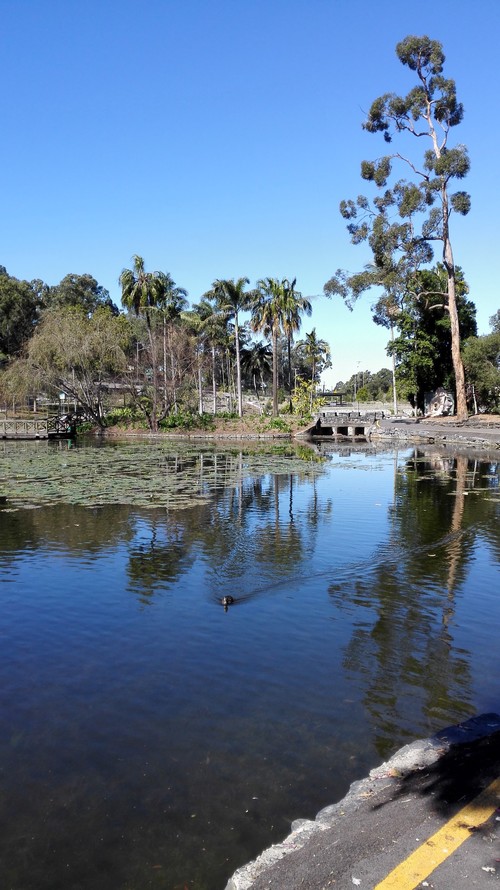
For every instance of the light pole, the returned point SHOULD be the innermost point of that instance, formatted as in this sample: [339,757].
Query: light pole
[356,380]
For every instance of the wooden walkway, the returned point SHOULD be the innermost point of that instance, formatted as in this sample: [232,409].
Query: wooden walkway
[37,428]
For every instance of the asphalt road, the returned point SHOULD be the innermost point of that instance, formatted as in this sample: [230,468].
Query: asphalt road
[432,812]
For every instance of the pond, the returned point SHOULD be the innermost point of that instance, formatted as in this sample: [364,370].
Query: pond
[151,737]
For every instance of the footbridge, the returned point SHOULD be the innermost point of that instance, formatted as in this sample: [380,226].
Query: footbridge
[342,424]
[38,428]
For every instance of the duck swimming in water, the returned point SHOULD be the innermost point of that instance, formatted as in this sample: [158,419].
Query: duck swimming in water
[227,601]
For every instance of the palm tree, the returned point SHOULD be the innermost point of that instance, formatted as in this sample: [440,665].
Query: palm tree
[140,290]
[294,305]
[145,293]
[256,361]
[212,328]
[171,300]
[268,314]
[315,351]
[231,298]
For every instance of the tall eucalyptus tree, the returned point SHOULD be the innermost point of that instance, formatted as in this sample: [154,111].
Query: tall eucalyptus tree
[404,220]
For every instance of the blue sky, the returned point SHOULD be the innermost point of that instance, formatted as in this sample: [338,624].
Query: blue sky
[216,138]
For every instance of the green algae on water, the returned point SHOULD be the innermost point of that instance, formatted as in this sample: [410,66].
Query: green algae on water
[144,474]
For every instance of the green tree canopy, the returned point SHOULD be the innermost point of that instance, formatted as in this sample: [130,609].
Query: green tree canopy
[422,348]
[317,355]
[79,291]
[482,362]
[19,311]
[73,353]
[495,322]
[256,363]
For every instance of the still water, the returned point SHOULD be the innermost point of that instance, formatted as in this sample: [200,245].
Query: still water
[151,739]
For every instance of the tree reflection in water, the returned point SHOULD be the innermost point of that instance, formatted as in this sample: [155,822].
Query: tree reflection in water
[402,640]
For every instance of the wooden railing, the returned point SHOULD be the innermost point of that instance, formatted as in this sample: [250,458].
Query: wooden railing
[52,427]
[24,429]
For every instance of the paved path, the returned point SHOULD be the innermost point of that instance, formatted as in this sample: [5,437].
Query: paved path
[430,817]
[473,433]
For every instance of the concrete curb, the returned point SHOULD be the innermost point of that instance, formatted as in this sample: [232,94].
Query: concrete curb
[416,756]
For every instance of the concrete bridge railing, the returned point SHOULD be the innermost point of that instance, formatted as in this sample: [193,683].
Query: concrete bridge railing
[347,424]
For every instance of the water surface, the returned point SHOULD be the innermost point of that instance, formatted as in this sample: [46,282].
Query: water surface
[148,737]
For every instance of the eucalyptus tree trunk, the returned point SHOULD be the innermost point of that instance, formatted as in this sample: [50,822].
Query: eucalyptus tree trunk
[458,366]
[394,393]
[449,264]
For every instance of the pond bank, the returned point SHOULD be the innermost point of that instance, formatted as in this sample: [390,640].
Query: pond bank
[392,817]
[480,432]
[476,433]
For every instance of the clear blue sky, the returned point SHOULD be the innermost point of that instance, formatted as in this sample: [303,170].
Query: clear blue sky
[216,138]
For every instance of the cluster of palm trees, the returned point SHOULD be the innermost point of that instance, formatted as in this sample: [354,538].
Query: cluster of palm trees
[275,307]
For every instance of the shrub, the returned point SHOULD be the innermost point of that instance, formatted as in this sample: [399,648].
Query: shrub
[278,423]
[120,416]
[185,420]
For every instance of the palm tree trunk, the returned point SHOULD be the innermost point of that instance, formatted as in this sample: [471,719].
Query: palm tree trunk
[275,373]
[153,420]
[238,365]
[289,349]
[313,376]
[200,389]
[164,364]
[230,379]
[214,384]
[172,371]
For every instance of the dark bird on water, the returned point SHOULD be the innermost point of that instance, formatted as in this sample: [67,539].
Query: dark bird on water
[227,601]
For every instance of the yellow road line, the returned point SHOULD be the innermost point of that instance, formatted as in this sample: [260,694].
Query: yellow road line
[422,862]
